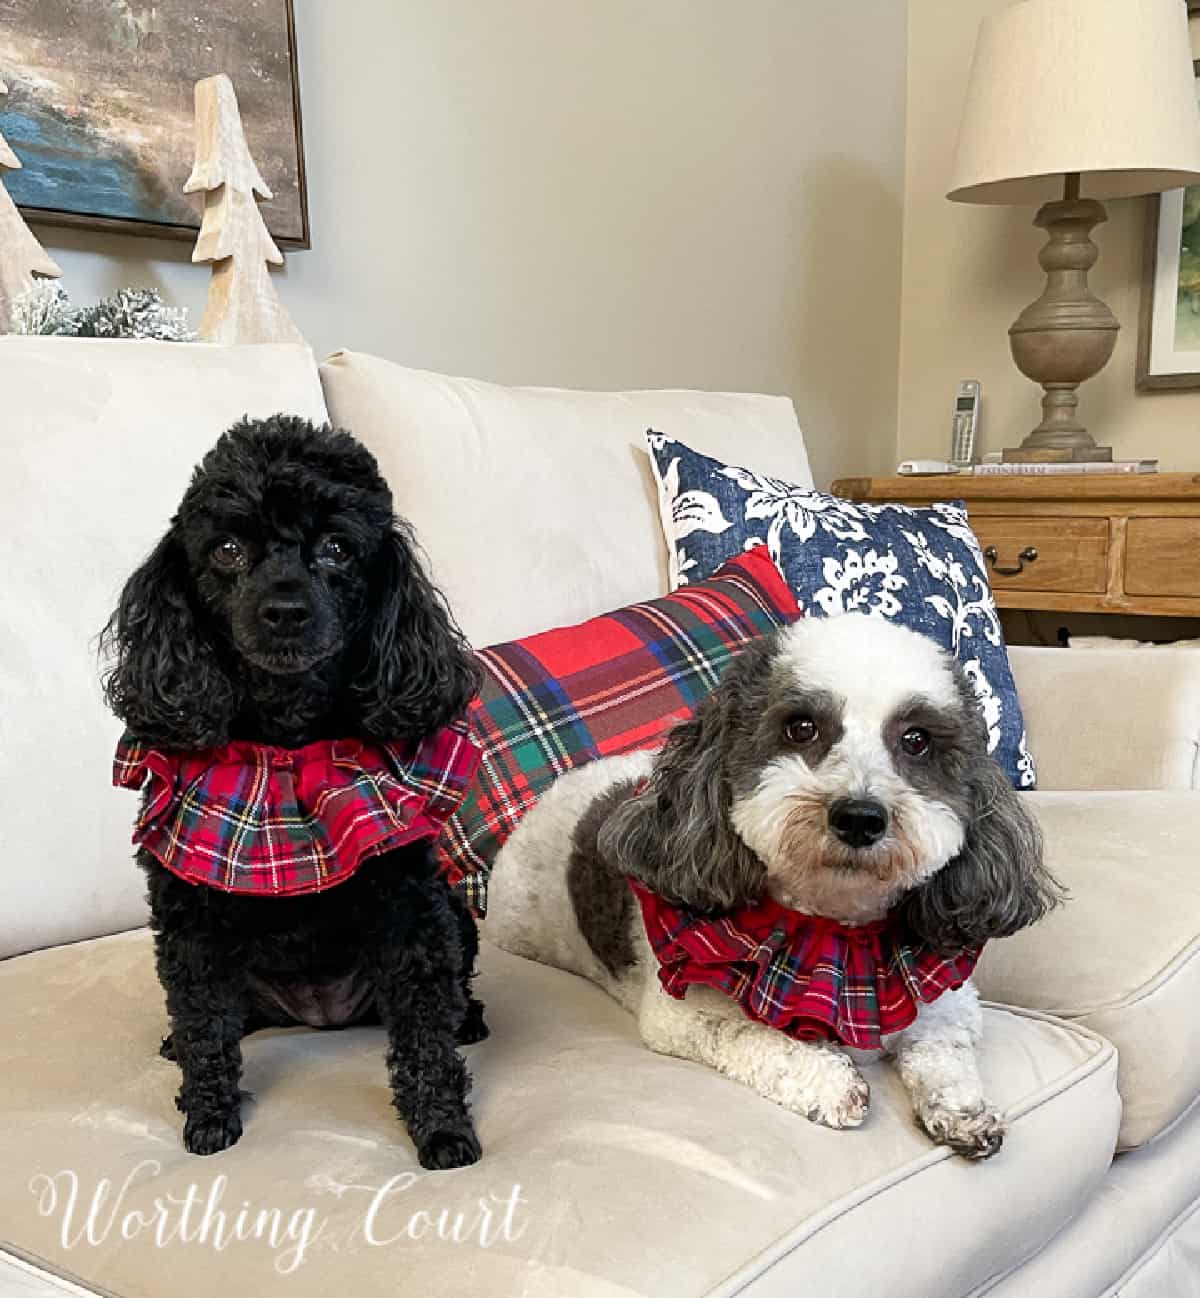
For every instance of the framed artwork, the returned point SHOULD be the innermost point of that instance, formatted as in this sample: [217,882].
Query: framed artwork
[1168,358]
[1169,326]
[100,108]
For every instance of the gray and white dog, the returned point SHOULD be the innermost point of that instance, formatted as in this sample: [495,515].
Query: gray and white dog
[840,768]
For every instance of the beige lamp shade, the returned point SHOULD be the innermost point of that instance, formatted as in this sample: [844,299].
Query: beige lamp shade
[1099,87]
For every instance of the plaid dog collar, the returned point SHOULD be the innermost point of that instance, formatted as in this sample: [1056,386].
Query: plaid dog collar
[257,819]
[810,977]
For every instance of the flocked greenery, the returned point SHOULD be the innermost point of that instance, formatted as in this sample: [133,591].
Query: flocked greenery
[46,309]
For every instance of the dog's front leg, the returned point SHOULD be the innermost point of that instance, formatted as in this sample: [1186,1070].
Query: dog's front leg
[936,1061]
[207,1009]
[473,1027]
[423,1005]
[816,1080]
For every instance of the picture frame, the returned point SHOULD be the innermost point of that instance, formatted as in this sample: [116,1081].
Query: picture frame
[100,110]
[1167,362]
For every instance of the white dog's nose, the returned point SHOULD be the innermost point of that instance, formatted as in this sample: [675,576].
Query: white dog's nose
[858,822]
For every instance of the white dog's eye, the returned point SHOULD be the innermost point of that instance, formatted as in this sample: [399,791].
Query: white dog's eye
[801,730]
[916,742]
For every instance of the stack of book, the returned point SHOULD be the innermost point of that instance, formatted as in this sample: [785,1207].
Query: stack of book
[1097,466]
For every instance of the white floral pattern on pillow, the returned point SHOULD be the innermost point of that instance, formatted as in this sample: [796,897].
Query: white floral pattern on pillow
[920,567]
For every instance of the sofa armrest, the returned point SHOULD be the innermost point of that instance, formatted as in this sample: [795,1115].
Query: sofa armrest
[1122,956]
[1111,718]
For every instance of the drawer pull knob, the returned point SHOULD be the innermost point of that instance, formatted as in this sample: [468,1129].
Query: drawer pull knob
[1027,555]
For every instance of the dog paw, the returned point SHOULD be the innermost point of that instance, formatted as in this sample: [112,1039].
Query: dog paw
[473,1028]
[825,1086]
[442,1150]
[977,1134]
[842,1101]
[210,1133]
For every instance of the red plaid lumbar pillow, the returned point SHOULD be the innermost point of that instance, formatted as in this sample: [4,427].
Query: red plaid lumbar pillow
[617,683]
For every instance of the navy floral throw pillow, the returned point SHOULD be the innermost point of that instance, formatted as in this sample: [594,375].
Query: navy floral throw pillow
[920,567]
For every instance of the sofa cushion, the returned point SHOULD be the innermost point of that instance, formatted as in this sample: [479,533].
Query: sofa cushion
[536,505]
[921,568]
[98,439]
[613,684]
[1139,1237]
[637,1174]
[1122,957]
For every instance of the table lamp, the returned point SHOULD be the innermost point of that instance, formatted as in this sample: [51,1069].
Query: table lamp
[1070,102]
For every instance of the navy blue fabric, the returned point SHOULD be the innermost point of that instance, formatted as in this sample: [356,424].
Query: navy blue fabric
[919,567]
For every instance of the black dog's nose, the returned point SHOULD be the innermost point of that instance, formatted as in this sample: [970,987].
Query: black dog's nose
[284,614]
[858,822]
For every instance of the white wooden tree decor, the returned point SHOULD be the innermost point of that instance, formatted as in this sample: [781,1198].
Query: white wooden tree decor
[243,305]
[21,256]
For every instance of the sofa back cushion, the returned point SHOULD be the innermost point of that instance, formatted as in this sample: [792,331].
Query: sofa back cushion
[98,440]
[537,506]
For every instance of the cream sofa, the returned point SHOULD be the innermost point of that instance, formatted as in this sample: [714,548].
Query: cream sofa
[608,1171]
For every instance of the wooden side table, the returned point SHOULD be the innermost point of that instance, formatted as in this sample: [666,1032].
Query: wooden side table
[1097,543]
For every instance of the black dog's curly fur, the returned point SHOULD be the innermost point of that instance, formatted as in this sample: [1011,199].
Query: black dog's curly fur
[284,605]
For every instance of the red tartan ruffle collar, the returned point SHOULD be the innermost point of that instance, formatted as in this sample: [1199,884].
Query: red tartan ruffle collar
[257,819]
[810,977]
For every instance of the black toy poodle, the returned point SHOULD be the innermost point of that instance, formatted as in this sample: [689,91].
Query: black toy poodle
[292,686]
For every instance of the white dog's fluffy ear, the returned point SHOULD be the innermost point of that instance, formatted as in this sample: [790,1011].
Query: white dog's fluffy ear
[998,883]
[676,837]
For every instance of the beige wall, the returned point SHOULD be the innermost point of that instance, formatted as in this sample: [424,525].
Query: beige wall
[610,194]
[968,271]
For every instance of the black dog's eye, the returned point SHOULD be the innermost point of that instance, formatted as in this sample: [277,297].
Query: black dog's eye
[332,550]
[916,742]
[801,730]
[228,554]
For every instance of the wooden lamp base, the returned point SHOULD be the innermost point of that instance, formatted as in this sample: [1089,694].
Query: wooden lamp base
[1088,454]
[1066,336]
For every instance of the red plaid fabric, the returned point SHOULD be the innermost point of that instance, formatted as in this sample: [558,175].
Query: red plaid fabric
[257,819]
[617,683]
[809,977]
